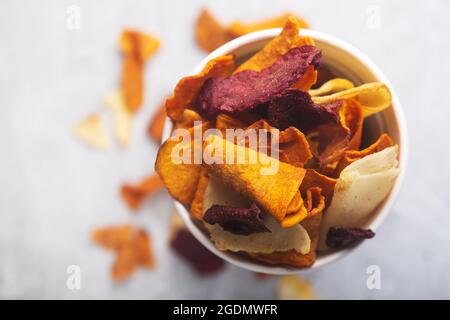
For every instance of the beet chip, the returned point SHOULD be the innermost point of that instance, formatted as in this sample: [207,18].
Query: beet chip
[340,237]
[201,259]
[294,108]
[248,89]
[242,221]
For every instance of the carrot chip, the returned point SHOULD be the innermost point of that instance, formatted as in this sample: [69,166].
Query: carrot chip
[135,194]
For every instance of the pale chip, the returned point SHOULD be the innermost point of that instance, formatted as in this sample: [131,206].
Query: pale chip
[92,131]
[294,287]
[331,86]
[122,117]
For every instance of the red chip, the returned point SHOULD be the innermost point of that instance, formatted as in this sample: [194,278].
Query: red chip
[200,258]
[241,221]
[247,89]
[294,108]
[341,237]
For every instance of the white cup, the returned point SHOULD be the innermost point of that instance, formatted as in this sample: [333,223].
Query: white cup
[347,62]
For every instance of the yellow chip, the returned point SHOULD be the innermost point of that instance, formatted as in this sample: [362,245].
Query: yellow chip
[121,117]
[331,86]
[294,288]
[92,131]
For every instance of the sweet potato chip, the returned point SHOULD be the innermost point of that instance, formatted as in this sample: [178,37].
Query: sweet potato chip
[187,88]
[132,247]
[351,117]
[294,288]
[331,86]
[188,119]
[272,192]
[373,97]
[281,239]
[209,33]
[136,47]
[197,202]
[122,123]
[350,156]
[238,28]
[245,90]
[180,179]
[135,194]
[156,125]
[314,179]
[92,131]
[186,246]
[288,38]
[361,187]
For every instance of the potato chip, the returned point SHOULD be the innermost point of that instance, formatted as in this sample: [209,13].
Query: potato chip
[383,142]
[273,192]
[238,28]
[187,88]
[279,239]
[331,86]
[156,125]
[288,38]
[132,247]
[373,97]
[122,124]
[92,131]
[136,48]
[361,187]
[180,179]
[135,194]
[209,33]
[294,288]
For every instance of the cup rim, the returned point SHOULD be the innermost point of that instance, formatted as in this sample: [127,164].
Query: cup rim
[321,261]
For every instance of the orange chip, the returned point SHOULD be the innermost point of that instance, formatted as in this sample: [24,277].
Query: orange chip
[188,119]
[314,179]
[352,119]
[224,121]
[294,148]
[315,202]
[135,194]
[136,47]
[209,33]
[383,142]
[238,28]
[197,202]
[180,179]
[156,126]
[308,80]
[132,247]
[92,131]
[288,38]
[188,87]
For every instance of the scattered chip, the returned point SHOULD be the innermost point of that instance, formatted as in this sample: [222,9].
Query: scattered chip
[294,288]
[135,194]
[247,89]
[187,88]
[122,124]
[201,259]
[242,221]
[341,237]
[137,48]
[132,247]
[92,131]
[156,125]
[209,33]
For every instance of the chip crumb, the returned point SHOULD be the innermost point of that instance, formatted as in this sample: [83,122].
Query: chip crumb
[135,194]
[92,131]
[294,288]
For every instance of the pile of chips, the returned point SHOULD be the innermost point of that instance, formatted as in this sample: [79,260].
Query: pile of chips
[325,186]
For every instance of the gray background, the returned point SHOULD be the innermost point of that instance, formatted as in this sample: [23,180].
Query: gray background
[54,190]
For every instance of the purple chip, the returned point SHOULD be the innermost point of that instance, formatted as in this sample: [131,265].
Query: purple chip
[341,237]
[247,89]
[241,221]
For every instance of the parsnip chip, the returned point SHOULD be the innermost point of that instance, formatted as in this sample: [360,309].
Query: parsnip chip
[181,179]
[135,194]
[132,247]
[187,88]
[272,191]
[350,156]
[331,86]
[209,33]
[137,47]
[294,288]
[122,124]
[92,131]
[373,97]
[238,28]
[279,239]
[156,125]
[288,38]
[361,187]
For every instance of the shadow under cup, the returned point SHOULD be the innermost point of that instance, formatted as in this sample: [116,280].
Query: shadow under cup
[340,60]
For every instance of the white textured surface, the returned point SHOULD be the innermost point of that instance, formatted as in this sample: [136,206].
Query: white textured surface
[54,190]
